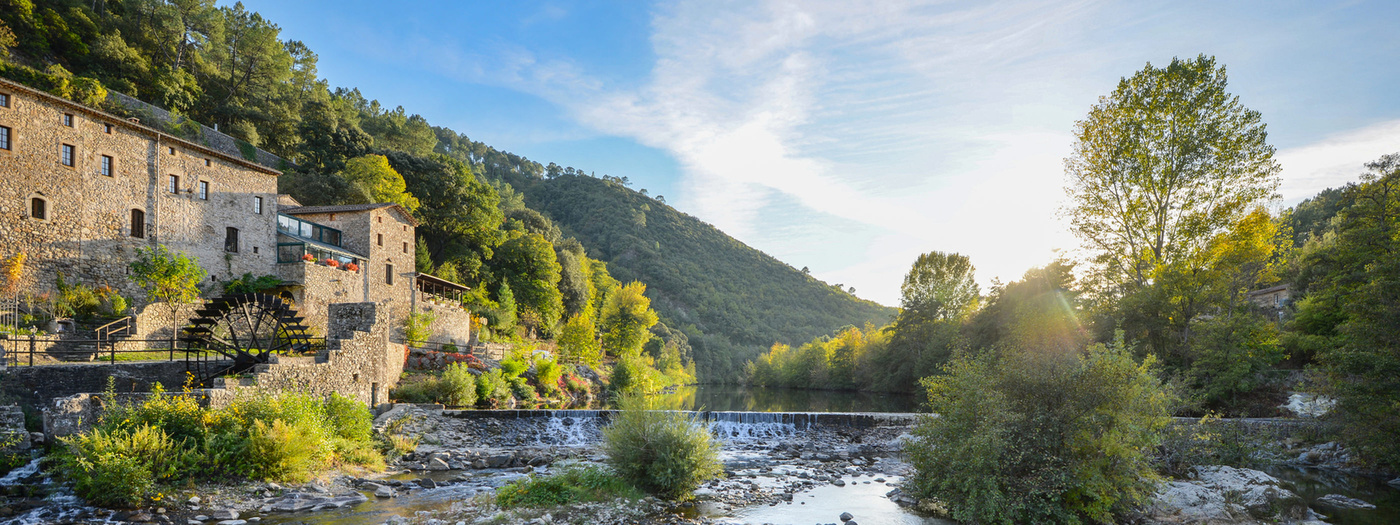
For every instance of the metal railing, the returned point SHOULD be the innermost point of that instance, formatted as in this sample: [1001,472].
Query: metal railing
[37,351]
[433,346]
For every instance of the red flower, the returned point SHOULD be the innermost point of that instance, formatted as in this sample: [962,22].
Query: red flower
[332,263]
[308,257]
[352,267]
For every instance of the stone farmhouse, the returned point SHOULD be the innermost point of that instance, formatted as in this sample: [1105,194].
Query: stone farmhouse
[81,190]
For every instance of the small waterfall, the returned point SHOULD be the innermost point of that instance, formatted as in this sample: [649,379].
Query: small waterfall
[754,426]
[571,428]
[20,474]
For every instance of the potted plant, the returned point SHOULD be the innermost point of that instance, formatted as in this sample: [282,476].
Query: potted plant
[332,263]
[308,257]
[352,267]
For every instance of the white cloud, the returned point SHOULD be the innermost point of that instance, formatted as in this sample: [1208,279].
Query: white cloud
[1335,160]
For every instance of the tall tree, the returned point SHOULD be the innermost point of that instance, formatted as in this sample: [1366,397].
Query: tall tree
[379,181]
[627,319]
[940,286]
[1162,165]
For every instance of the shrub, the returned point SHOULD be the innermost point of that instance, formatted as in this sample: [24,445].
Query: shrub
[571,484]
[283,451]
[179,416]
[548,375]
[665,453]
[121,466]
[459,385]
[1040,437]
[1211,441]
[492,387]
[512,368]
[349,419]
[523,391]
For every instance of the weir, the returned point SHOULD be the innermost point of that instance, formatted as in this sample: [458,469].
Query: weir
[582,427]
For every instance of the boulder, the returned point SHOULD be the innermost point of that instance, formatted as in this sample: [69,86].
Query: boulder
[438,464]
[1219,494]
[846,516]
[224,514]
[1338,501]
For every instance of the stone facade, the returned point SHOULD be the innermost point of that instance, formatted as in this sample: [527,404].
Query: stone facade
[318,287]
[383,234]
[451,323]
[93,221]
[359,362]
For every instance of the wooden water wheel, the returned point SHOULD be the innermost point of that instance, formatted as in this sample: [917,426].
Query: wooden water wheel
[246,329]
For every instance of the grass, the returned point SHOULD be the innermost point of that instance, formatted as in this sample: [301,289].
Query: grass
[572,484]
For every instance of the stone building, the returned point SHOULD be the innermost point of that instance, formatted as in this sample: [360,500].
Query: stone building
[81,190]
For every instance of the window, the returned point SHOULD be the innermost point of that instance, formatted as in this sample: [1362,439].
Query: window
[138,224]
[389,274]
[107,165]
[379,239]
[204,190]
[4,100]
[66,155]
[257,204]
[4,138]
[405,247]
[39,208]
[172,150]
[381,219]
[206,163]
[231,240]
[68,119]
[107,128]
[174,184]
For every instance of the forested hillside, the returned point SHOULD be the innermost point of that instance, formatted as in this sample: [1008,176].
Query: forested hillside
[536,243]
[698,277]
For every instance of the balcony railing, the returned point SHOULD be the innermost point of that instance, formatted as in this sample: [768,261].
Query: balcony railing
[290,252]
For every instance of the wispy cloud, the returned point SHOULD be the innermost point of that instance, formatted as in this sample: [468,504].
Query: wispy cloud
[1334,161]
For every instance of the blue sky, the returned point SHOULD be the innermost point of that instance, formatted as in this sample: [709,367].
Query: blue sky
[851,136]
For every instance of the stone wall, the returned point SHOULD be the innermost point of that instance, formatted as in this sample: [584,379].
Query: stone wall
[359,362]
[321,287]
[451,323]
[386,237]
[206,135]
[35,386]
[87,232]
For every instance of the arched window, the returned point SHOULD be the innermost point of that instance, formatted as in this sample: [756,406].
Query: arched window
[138,224]
[39,208]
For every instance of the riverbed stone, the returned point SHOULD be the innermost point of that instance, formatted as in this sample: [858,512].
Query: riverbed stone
[224,514]
[1219,494]
[1338,501]
[384,492]
[846,516]
[438,463]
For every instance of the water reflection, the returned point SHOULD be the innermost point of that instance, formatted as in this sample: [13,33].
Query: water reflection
[761,399]
[1315,483]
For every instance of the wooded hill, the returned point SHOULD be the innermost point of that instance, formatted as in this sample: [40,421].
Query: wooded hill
[699,278]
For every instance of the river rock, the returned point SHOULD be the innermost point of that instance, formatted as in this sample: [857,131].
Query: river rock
[1395,483]
[438,464]
[1326,455]
[499,461]
[141,516]
[846,516]
[1219,494]
[224,514]
[384,492]
[1338,501]
[297,502]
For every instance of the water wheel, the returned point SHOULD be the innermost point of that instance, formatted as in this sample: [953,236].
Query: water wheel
[247,330]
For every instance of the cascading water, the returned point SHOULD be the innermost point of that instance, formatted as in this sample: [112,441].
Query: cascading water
[575,428]
[753,426]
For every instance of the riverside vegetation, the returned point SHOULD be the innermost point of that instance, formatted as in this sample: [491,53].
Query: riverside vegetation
[138,452]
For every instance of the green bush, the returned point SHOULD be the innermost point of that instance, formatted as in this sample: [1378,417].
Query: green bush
[547,375]
[522,390]
[349,419]
[512,368]
[1039,437]
[666,453]
[459,385]
[492,387]
[570,484]
[290,452]
[121,467]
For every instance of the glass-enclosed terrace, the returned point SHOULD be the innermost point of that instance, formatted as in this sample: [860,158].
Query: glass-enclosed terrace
[307,241]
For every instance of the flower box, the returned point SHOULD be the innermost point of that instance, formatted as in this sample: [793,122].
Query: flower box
[332,263]
[352,267]
[308,257]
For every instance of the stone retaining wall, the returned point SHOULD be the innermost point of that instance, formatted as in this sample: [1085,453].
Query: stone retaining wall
[35,386]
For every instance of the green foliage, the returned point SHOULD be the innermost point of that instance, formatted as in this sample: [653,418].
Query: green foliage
[940,286]
[547,376]
[1233,355]
[571,484]
[249,284]
[521,389]
[282,451]
[457,386]
[1210,441]
[578,342]
[1033,436]
[511,368]
[1352,281]
[135,448]
[665,453]
[166,276]
[626,320]
[122,466]
[737,300]
[379,182]
[527,263]
[416,327]
[492,387]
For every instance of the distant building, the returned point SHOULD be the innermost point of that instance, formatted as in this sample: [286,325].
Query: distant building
[1271,297]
